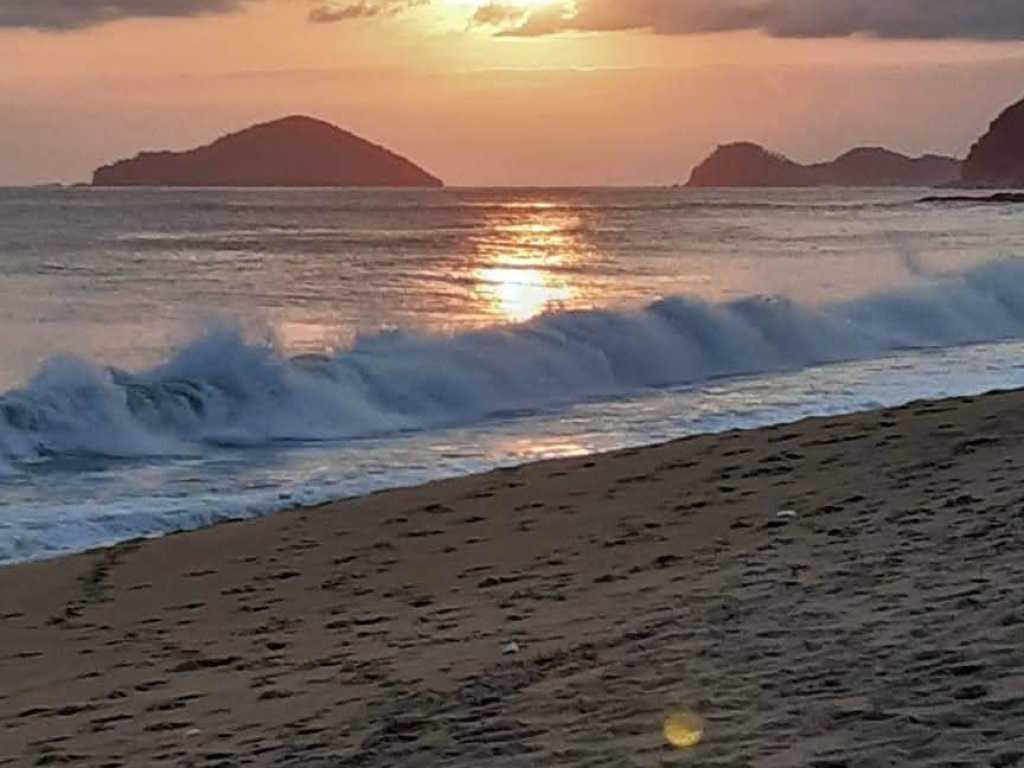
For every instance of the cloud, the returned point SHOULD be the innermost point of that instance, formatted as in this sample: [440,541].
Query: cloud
[363,9]
[498,14]
[75,14]
[892,19]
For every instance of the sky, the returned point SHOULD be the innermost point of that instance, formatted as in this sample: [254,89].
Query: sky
[509,92]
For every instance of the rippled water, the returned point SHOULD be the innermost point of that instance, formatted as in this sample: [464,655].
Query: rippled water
[367,339]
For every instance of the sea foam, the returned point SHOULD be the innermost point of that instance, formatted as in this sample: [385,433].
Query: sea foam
[221,389]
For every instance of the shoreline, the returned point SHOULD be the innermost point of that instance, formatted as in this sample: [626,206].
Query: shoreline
[879,622]
[165,516]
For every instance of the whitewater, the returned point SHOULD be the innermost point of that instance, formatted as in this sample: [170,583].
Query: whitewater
[177,359]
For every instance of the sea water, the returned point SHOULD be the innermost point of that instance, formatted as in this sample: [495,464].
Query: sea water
[172,358]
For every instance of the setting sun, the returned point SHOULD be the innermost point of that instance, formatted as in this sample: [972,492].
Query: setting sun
[492,14]
[511,5]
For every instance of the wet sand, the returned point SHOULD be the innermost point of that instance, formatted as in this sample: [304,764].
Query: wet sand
[881,624]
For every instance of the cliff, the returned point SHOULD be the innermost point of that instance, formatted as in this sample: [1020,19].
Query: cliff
[748,165]
[292,152]
[997,158]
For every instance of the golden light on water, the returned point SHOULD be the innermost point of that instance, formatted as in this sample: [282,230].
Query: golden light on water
[519,294]
[298,336]
[543,448]
[683,730]
[524,263]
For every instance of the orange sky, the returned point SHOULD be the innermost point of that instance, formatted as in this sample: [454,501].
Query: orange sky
[576,107]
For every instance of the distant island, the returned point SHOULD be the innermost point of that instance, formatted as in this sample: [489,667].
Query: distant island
[293,152]
[744,164]
[997,159]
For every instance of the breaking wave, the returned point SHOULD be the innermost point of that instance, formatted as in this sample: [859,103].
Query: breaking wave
[223,390]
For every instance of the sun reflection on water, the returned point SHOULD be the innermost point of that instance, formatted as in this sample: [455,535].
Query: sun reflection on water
[518,294]
[542,448]
[525,261]
[306,335]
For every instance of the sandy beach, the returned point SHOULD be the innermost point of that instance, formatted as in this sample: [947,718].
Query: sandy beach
[877,622]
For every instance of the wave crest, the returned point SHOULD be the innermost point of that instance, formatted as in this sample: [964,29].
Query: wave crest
[221,389]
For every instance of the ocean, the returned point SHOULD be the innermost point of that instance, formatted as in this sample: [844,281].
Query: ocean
[173,358]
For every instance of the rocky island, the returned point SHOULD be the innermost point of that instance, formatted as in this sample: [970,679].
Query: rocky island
[744,164]
[293,152]
[997,158]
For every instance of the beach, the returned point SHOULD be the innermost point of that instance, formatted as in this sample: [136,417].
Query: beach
[512,384]
[554,614]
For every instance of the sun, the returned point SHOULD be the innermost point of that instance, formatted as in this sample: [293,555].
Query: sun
[524,5]
[498,14]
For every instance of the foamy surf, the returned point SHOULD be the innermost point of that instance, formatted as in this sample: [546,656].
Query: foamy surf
[228,428]
[63,505]
[223,390]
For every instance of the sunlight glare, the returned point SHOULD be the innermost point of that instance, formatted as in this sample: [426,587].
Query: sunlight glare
[517,4]
[520,294]
[525,263]
[683,730]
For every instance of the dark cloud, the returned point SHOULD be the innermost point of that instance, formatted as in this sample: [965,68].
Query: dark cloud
[363,9]
[75,14]
[895,19]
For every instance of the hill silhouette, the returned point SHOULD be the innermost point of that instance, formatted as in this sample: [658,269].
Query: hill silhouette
[997,158]
[295,151]
[744,164]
